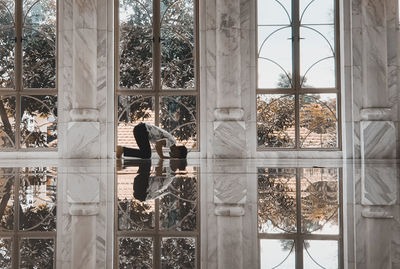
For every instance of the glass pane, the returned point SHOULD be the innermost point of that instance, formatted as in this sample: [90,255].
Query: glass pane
[133,110]
[37,197]
[177,46]
[321,254]
[135,43]
[7,42]
[39,44]
[317,56]
[7,179]
[178,253]
[320,11]
[277,254]
[320,200]
[274,57]
[5,252]
[274,12]
[276,200]
[318,121]
[178,117]
[37,253]
[133,213]
[135,253]
[178,208]
[7,121]
[39,121]
[275,121]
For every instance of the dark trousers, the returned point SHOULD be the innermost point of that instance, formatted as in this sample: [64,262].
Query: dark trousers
[142,140]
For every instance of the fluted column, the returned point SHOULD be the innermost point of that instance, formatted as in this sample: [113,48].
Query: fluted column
[83,130]
[378,132]
[229,128]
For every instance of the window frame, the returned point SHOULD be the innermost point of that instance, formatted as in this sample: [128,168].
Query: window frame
[156,91]
[296,89]
[19,90]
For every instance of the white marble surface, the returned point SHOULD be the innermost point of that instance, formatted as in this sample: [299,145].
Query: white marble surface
[378,140]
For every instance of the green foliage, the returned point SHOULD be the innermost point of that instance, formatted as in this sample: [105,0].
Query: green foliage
[178,253]
[135,253]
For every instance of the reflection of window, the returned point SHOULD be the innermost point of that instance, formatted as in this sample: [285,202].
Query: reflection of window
[27,217]
[298,86]
[28,101]
[162,232]
[299,218]
[158,74]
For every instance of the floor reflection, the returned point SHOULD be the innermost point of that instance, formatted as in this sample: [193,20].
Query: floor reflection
[298,217]
[158,215]
[28,217]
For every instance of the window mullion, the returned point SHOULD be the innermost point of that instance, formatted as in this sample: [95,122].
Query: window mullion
[299,239]
[18,70]
[156,59]
[296,67]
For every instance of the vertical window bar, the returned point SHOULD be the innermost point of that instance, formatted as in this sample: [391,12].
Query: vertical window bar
[296,67]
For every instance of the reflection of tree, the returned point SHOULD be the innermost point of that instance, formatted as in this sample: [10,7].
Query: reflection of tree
[179,207]
[37,253]
[135,253]
[178,253]
[134,215]
[5,253]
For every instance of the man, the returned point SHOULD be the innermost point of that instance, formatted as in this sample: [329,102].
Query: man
[144,134]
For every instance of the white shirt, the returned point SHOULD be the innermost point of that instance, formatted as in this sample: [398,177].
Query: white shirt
[157,134]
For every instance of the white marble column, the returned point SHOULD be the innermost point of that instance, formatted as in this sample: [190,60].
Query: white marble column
[377,129]
[83,130]
[229,127]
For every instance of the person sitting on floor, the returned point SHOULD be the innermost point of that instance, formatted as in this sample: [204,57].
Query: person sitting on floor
[145,133]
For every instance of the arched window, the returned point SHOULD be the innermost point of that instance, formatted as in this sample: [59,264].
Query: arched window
[157,74]
[28,77]
[298,81]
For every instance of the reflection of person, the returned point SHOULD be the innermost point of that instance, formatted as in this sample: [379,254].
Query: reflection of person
[147,187]
[144,134]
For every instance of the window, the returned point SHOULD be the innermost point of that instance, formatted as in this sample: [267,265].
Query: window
[300,218]
[298,87]
[157,217]
[28,88]
[157,78]
[28,217]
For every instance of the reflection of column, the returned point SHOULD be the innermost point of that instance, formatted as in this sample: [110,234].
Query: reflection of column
[379,186]
[229,127]
[230,191]
[84,127]
[378,134]
[83,194]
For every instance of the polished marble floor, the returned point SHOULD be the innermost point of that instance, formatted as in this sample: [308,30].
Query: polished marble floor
[199,214]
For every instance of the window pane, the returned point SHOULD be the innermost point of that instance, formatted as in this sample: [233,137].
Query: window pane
[178,208]
[131,111]
[37,253]
[39,121]
[276,200]
[7,42]
[135,43]
[7,179]
[320,200]
[135,252]
[275,121]
[321,254]
[178,253]
[274,12]
[39,44]
[37,197]
[177,46]
[7,121]
[317,56]
[320,12]
[5,253]
[274,57]
[133,214]
[178,116]
[277,254]
[318,121]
